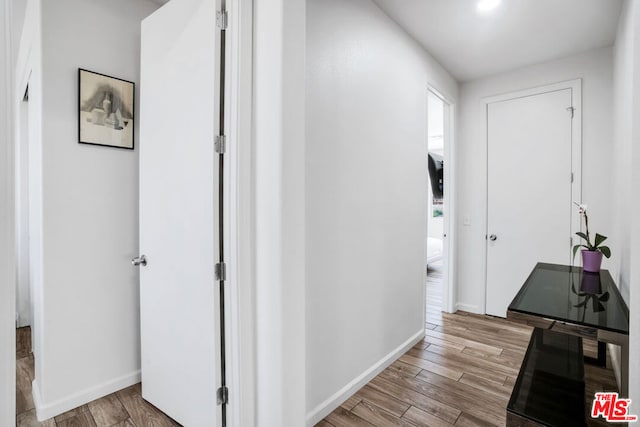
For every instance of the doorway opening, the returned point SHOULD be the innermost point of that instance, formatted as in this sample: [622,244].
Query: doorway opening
[23,282]
[24,309]
[439,206]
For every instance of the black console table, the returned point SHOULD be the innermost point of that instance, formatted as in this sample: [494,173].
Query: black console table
[550,387]
[565,299]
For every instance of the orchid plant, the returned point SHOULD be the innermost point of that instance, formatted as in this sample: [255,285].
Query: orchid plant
[597,241]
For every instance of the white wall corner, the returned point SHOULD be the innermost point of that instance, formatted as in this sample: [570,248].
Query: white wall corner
[325,408]
[279,218]
[634,297]
[46,410]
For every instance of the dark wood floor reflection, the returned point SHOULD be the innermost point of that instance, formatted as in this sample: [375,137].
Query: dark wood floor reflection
[461,374]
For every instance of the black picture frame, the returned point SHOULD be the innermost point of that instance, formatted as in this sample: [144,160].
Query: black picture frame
[106,108]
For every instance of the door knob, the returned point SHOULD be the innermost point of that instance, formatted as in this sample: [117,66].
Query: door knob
[139,260]
[493,238]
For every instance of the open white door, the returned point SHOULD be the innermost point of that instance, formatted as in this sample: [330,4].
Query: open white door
[179,307]
[530,188]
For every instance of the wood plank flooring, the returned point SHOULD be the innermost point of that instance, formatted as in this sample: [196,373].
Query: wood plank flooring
[461,374]
[126,408]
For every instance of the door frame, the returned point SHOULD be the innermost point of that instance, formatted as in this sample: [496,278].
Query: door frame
[576,152]
[7,224]
[449,258]
[238,203]
[265,213]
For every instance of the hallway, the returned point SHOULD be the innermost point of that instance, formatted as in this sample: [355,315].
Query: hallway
[462,373]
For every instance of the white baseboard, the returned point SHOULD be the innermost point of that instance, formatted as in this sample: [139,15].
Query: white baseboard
[468,308]
[326,407]
[44,411]
[614,352]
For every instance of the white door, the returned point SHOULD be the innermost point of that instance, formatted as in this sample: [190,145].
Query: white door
[179,212]
[529,190]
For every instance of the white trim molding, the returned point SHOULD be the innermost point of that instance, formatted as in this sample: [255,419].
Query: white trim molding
[240,233]
[326,407]
[449,242]
[50,410]
[469,308]
[7,226]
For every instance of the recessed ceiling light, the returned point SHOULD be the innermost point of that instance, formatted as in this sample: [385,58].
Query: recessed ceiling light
[487,5]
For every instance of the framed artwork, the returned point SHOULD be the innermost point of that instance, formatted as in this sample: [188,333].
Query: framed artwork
[105,110]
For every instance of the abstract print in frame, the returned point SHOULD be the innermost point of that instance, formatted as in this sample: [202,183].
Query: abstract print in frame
[105,110]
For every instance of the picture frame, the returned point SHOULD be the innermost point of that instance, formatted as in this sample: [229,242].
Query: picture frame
[106,108]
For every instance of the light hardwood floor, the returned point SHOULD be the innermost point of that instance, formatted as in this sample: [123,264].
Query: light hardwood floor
[461,374]
[126,408]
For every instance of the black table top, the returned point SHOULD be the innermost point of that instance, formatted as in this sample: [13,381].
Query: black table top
[566,293]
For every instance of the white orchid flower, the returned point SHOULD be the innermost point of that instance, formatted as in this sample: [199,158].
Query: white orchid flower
[582,208]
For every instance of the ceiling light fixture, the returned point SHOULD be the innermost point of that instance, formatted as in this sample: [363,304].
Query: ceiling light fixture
[487,5]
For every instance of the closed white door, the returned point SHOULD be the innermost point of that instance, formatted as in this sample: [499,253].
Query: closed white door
[179,212]
[529,190]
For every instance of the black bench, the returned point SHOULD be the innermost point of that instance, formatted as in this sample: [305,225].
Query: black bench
[549,390]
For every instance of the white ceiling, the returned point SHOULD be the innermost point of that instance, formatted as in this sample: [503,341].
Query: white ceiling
[517,33]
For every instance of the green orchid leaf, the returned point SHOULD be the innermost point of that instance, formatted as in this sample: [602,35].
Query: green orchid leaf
[576,247]
[597,307]
[581,234]
[605,251]
[604,297]
[599,239]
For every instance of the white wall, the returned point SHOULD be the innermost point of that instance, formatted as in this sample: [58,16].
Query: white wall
[366,181]
[624,79]
[7,261]
[626,178]
[279,215]
[85,292]
[595,69]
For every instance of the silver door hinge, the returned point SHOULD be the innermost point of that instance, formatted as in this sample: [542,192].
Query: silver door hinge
[571,110]
[222,395]
[222,19]
[572,177]
[221,271]
[221,144]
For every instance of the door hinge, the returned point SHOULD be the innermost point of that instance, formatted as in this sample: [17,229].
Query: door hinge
[221,271]
[222,20]
[221,144]
[571,110]
[572,177]
[222,395]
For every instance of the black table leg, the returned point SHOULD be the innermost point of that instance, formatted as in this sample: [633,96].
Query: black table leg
[601,360]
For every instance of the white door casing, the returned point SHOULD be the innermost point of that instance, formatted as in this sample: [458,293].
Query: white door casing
[533,175]
[448,248]
[179,212]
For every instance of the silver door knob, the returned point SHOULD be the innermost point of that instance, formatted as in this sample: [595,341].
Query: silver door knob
[139,260]
[493,237]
